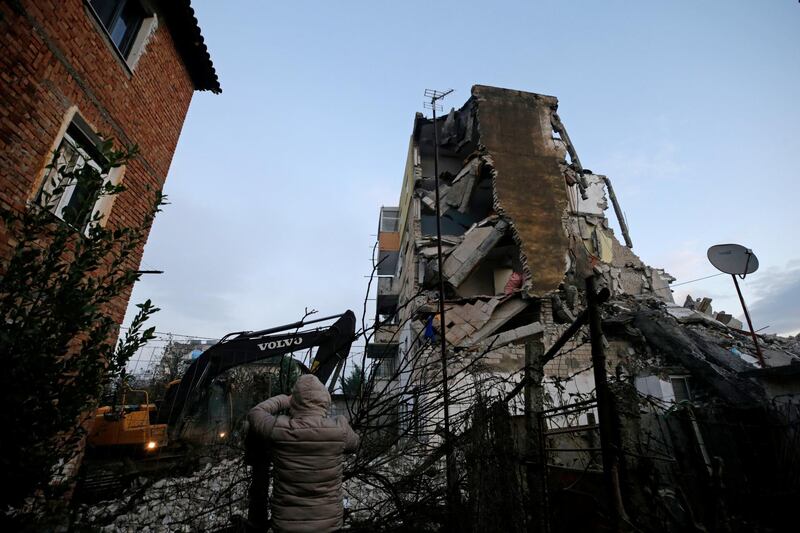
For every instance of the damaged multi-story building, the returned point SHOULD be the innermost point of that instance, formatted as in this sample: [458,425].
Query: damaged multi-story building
[523,225]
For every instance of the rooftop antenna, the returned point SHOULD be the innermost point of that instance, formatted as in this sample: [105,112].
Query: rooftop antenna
[452,489]
[736,260]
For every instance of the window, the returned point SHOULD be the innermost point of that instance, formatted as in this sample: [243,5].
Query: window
[384,368]
[73,201]
[122,20]
[680,386]
[390,219]
[405,417]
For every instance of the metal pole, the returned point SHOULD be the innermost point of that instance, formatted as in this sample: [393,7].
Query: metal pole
[609,443]
[749,323]
[452,489]
[623,225]
[535,460]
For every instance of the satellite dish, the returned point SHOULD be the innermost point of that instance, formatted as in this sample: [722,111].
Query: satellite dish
[733,259]
[736,260]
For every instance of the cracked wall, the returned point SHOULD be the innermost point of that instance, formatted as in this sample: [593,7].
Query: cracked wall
[516,138]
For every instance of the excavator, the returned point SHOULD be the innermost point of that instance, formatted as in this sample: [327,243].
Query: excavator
[190,410]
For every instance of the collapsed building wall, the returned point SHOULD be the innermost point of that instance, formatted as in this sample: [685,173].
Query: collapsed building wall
[529,190]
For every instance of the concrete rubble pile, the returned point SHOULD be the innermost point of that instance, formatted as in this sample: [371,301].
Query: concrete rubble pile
[367,501]
[204,501]
[669,340]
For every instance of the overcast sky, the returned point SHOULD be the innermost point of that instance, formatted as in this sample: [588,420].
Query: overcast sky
[689,107]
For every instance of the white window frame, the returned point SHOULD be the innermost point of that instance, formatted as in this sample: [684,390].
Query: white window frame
[73,156]
[102,204]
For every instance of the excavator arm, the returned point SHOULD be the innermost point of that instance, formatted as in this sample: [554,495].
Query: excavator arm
[333,346]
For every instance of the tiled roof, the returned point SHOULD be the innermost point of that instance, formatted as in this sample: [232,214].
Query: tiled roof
[189,41]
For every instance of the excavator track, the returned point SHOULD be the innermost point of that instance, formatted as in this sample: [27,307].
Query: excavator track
[104,479]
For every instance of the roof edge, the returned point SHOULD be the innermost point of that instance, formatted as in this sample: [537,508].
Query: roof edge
[185,30]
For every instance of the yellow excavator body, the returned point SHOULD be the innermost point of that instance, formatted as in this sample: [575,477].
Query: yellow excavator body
[127,425]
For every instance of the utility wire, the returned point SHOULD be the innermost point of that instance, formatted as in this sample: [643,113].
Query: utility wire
[180,335]
[698,279]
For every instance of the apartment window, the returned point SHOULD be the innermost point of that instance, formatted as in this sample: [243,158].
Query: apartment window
[405,417]
[384,368]
[122,20]
[680,386]
[390,219]
[72,198]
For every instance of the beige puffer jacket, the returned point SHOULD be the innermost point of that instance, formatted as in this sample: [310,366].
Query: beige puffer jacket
[307,453]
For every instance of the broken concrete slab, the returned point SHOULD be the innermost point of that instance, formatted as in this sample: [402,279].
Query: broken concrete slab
[684,315]
[477,243]
[464,317]
[462,186]
[728,320]
[704,306]
[503,312]
[516,335]
[701,357]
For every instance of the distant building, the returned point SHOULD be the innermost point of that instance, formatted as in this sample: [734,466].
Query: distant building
[75,70]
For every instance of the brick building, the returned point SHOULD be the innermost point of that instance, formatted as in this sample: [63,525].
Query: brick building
[73,72]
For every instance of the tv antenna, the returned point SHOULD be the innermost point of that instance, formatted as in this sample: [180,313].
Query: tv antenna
[736,260]
[434,96]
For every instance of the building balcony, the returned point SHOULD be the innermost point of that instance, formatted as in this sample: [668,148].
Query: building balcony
[388,294]
[387,333]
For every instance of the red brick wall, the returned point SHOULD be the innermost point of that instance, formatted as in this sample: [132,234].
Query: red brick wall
[52,57]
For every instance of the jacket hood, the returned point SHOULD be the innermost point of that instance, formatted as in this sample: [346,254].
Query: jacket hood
[309,397]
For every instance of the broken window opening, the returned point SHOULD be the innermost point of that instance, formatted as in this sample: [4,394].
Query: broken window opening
[382,351]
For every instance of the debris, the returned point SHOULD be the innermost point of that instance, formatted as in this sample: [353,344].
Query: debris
[477,244]
[206,500]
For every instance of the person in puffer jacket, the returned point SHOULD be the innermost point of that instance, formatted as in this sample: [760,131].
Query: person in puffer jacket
[308,450]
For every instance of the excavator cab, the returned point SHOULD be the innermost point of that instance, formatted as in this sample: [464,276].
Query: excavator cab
[128,425]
